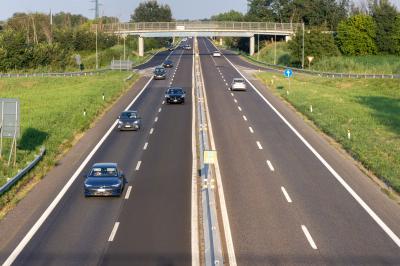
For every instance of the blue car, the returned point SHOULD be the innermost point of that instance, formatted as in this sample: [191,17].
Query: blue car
[104,179]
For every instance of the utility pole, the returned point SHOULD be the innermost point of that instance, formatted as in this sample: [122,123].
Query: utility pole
[302,54]
[97,55]
[96,8]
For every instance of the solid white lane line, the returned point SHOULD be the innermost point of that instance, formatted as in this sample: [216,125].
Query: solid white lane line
[159,110]
[286,195]
[138,165]
[113,232]
[245,118]
[61,194]
[259,145]
[156,119]
[240,108]
[151,131]
[309,237]
[270,166]
[145,146]
[128,192]
[235,100]
[340,179]
[251,129]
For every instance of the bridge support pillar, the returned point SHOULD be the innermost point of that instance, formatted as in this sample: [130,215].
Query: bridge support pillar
[252,45]
[288,38]
[141,46]
[221,41]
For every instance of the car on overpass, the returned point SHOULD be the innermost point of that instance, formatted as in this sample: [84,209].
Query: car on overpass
[238,84]
[175,95]
[104,179]
[129,120]
[159,73]
[187,47]
[168,64]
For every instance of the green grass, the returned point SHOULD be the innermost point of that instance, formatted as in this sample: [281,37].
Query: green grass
[267,54]
[52,112]
[370,109]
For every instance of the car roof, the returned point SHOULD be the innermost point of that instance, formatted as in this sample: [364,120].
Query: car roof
[105,165]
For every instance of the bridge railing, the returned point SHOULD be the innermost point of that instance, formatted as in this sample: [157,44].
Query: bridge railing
[198,26]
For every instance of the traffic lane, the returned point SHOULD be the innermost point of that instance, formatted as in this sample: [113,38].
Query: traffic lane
[154,226]
[330,210]
[157,60]
[20,220]
[72,224]
[264,228]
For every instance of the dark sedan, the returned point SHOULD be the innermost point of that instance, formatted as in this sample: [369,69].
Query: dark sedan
[175,95]
[168,63]
[160,73]
[129,120]
[104,179]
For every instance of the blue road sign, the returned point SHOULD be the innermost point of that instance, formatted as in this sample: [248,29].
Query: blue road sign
[288,73]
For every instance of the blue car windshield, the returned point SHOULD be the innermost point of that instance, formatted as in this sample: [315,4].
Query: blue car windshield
[129,115]
[104,172]
[175,91]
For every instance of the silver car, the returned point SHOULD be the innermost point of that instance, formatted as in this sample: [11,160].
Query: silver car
[238,84]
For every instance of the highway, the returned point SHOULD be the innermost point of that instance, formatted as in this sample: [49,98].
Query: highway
[285,204]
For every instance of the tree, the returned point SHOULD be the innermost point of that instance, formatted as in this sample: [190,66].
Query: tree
[151,11]
[317,43]
[356,35]
[229,16]
[260,10]
[385,15]
[396,35]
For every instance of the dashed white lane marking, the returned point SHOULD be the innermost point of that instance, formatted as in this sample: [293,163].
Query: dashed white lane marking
[159,110]
[251,129]
[145,146]
[128,192]
[113,232]
[163,102]
[259,145]
[271,167]
[151,131]
[240,108]
[309,237]
[235,100]
[244,118]
[226,83]
[232,94]
[138,165]
[286,195]
[156,119]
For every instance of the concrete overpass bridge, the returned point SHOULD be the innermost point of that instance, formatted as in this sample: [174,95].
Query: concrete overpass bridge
[201,29]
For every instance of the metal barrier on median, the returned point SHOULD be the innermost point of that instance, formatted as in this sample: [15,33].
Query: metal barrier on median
[22,173]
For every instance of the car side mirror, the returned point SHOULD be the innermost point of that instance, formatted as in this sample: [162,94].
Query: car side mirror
[122,175]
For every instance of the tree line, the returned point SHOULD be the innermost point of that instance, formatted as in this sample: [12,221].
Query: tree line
[333,27]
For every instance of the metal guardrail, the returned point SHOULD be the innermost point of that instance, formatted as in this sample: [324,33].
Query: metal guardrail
[324,74]
[198,26]
[60,74]
[22,173]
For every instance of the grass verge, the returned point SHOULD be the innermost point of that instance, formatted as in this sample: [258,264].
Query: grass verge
[52,115]
[369,109]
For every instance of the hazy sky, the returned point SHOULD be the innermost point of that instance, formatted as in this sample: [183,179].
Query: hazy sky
[181,9]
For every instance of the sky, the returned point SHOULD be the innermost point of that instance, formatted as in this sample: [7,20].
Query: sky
[181,9]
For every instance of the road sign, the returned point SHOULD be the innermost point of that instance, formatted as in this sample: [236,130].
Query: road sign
[288,73]
[9,118]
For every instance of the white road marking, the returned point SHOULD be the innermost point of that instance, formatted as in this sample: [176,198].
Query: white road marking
[138,165]
[309,237]
[159,110]
[259,145]
[128,192]
[271,167]
[226,84]
[235,100]
[113,232]
[245,118]
[163,102]
[145,146]
[61,194]
[286,195]
[232,94]
[240,108]
[151,131]
[251,129]
[156,119]
[340,179]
